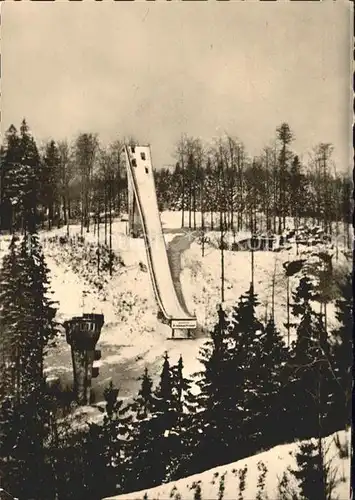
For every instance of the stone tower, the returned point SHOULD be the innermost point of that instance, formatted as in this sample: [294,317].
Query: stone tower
[82,333]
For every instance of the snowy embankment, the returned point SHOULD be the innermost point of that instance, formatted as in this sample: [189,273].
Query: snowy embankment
[201,281]
[132,337]
[277,462]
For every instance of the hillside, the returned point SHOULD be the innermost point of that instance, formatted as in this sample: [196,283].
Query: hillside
[132,337]
[277,461]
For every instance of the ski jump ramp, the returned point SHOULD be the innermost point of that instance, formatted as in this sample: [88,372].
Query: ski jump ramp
[143,209]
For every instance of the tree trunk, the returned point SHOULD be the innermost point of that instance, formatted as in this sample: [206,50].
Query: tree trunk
[98,242]
[190,202]
[110,227]
[222,256]
[194,205]
[288,309]
[183,193]
[105,208]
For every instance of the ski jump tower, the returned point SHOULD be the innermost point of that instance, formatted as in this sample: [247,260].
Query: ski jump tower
[144,220]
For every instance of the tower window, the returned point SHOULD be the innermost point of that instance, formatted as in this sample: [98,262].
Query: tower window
[146,170]
[133,149]
[143,156]
[134,162]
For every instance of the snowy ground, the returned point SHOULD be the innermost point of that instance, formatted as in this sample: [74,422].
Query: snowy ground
[277,461]
[132,337]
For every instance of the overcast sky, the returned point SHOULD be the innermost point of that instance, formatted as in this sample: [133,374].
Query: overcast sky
[158,69]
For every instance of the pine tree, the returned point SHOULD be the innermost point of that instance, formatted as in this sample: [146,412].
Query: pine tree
[181,385]
[180,444]
[67,455]
[271,384]
[297,191]
[245,369]
[146,451]
[38,312]
[285,137]
[157,434]
[30,175]
[310,385]
[209,433]
[24,431]
[106,447]
[28,148]
[143,404]
[165,414]
[315,475]
[10,162]
[19,185]
[342,351]
[27,319]
[9,304]
[50,180]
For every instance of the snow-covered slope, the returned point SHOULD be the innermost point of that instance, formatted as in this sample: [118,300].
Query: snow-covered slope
[133,337]
[277,461]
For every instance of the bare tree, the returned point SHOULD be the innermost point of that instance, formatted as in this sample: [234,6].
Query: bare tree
[285,137]
[86,146]
[66,175]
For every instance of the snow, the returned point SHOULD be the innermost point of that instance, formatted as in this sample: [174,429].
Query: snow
[201,281]
[132,337]
[277,460]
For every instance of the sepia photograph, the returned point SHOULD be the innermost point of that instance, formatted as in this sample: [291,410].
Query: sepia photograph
[176,250]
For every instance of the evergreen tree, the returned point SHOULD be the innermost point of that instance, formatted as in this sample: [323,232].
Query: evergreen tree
[10,162]
[180,444]
[36,321]
[312,472]
[144,403]
[297,191]
[106,448]
[165,390]
[342,351]
[27,320]
[26,313]
[271,385]
[28,147]
[23,435]
[245,370]
[9,309]
[208,427]
[30,175]
[147,441]
[158,430]
[50,180]
[310,378]
[66,456]
[181,385]
[20,179]
[234,387]
[165,415]
[285,137]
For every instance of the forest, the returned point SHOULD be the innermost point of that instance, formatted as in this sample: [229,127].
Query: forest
[85,180]
[254,391]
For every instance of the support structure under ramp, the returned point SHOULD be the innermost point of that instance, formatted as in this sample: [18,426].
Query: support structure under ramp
[142,198]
